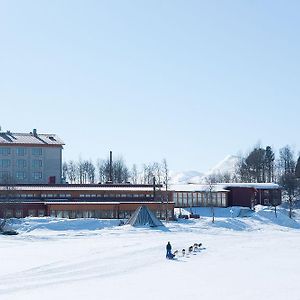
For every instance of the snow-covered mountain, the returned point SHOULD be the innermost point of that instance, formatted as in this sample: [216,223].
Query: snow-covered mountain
[227,165]
[185,177]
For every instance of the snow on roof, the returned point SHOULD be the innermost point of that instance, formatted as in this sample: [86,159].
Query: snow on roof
[221,187]
[197,188]
[258,186]
[8,138]
[100,202]
[96,188]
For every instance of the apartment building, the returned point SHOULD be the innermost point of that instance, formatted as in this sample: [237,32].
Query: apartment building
[30,158]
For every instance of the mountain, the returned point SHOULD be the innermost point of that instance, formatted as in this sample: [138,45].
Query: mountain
[185,177]
[227,165]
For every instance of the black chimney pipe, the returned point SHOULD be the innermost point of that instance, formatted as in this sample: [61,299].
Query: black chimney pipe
[110,167]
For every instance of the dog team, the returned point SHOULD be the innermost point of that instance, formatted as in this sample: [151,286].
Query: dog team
[191,249]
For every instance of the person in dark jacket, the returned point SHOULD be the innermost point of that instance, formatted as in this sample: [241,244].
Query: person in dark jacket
[169,249]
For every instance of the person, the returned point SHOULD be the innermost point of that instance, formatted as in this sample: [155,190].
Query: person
[169,249]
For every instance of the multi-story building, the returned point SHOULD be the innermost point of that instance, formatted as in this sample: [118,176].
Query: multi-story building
[30,158]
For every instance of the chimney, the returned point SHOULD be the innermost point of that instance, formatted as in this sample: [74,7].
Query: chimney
[34,132]
[110,167]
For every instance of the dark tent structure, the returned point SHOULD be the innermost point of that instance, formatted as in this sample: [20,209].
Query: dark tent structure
[143,216]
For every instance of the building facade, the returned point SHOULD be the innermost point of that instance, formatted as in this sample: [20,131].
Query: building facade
[106,201]
[30,158]
[195,195]
[227,194]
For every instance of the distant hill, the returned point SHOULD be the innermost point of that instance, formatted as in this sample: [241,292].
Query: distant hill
[185,177]
[227,165]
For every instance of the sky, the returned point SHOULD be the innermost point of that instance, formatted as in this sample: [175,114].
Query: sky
[189,81]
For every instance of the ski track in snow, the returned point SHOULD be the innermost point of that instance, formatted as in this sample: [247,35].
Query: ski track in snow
[80,268]
[42,259]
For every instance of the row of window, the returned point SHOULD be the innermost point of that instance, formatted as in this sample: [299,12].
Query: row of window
[188,199]
[116,195]
[21,175]
[104,214]
[21,163]
[74,214]
[20,151]
[9,213]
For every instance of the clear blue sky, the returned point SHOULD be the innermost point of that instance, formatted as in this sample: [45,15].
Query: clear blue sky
[190,81]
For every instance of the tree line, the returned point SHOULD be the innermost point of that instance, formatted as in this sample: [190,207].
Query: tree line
[261,165]
[87,172]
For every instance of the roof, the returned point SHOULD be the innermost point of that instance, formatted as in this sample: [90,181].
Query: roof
[197,188]
[222,187]
[258,186]
[81,188]
[143,216]
[41,139]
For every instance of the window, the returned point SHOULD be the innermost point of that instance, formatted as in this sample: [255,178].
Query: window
[37,151]
[21,175]
[31,212]
[37,175]
[184,200]
[65,214]
[21,151]
[180,199]
[19,213]
[21,163]
[175,198]
[4,151]
[41,213]
[4,175]
[37,163]
[8,213]
[5,163]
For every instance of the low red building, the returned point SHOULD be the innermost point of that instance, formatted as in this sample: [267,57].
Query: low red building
[226,194]
[251,194]
[82,201]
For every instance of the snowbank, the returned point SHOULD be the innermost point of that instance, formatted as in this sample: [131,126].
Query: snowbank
[234,217]
[220,212]
[58,224]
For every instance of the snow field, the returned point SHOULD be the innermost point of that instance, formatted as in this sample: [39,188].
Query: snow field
[244,258]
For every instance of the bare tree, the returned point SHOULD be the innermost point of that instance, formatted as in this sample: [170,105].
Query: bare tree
[166,178]
[275,201]
[288,180]
[89,169]
[210,181]
[134,174]
[148,174]
[157,171]
[103,170]
[291,185]
[65,171]
[72,171]
[120,173]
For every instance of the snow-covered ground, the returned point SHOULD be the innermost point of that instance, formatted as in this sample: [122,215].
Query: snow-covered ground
[254,257]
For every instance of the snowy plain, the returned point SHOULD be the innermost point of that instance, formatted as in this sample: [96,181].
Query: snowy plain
[254,257]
